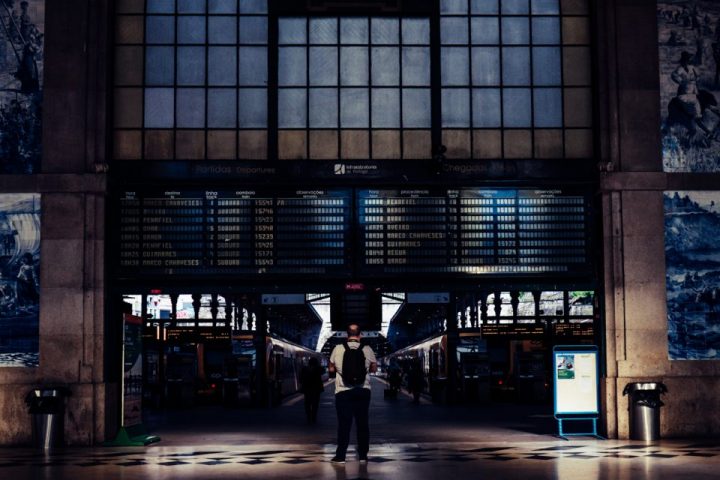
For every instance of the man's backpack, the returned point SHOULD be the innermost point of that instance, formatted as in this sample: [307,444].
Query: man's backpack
[353,366]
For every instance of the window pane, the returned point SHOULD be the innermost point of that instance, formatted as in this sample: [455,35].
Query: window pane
[222,66]
[253,30]
[416,31]
[291,30]
[416,107]
[453,31]
[385,66]
[222,105]
[253,66]
[159,108]
[354,30]
[160,6]
[253,6]
[323,30]
[385,108]
[486,108]
[222,30]
[545,7]
[416,66]
[455,66]
[323,66]
[291,68]
[515,31]
[455,107]
[191,29]
[160,29]
[514,7]
[516,107]
[516,66]
[292,108]
[191,65]
[484,6]
[252,108]
[546,65]
[486,66]
[546,30]
[323,108]
[191,6]
[353,66]
[485,31]
[159,65]
[453,6]
[222,6]
[190,108]
[354,104]
[547,107]
[385,31]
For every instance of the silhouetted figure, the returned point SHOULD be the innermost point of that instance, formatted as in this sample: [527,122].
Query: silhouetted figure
[27,283]
[312,388]
[416,382]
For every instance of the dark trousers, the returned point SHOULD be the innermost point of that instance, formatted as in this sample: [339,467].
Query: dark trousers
[312,402]
[353,403]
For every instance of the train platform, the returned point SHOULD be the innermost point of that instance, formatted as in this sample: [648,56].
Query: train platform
[408,441]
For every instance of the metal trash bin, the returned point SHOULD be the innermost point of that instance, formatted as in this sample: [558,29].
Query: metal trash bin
[644,406]
[47,407]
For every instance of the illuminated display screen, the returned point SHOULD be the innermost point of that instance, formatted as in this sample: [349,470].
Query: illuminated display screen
[252,232]
[473,231]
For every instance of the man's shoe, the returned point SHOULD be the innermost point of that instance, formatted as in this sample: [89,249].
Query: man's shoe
[337,460]
[363,459]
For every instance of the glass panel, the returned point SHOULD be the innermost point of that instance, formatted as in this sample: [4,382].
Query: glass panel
[416,66]
[516,66]
[551,303]
[486,108]
[353,66]
[222,107]
[253,66]
[455,107]
[545,7]
[253,6]
[453,31]
[385,108]
[292,108]
[485,31]
[291,66]
[191,6]
[191,29]
[547,107]
[453,6]
[354,105]
[160,6]
[160,30]
[222,6]
[354,30]
[323,108]
[252,108]
[510,7]
[546,66]
[222,30]
[159,108]
[515,31]
[385,66]
[190,108]
[581,303]
[546,30]
[191,66]
[159,65]
[253,30]
[416,107]
[291,30]
[486,66]
[416,31]
[222,66]
[484,7]
[385,31]
[516,107]
[323,66]
[323,30]
[455,66]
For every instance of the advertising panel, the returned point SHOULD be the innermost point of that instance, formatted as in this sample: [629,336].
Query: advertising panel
[576,381]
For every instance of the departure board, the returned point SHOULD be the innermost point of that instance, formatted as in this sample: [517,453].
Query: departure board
[473,231]
[238,232]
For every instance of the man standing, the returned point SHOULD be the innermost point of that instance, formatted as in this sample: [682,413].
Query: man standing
[352,362]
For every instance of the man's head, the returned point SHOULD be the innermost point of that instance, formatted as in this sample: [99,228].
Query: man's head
[353,330]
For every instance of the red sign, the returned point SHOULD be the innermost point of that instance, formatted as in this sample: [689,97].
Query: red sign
[354,287]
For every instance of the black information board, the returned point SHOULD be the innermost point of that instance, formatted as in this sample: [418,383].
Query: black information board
[241,232]
[473,232]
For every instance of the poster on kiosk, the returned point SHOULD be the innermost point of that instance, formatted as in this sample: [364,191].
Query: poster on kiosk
[575,370]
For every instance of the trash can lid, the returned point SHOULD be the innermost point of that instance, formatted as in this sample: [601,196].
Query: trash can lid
[633,387]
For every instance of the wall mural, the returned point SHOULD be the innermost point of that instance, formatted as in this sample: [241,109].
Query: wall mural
[21,73]
[689,50]
[692,262]
[19,279]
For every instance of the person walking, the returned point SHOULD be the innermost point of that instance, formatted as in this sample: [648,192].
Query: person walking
[312,387]
[352,361]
